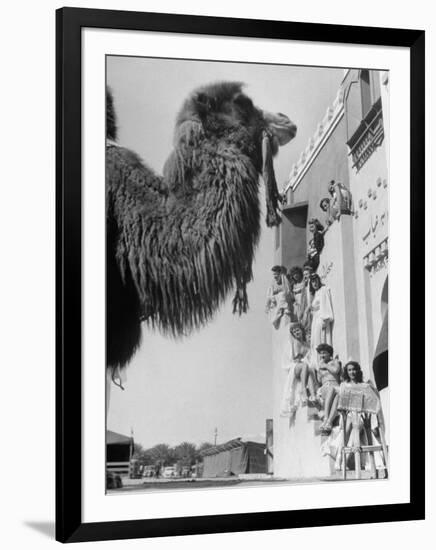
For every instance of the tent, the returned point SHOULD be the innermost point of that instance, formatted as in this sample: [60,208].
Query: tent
[233,458]
[118,452]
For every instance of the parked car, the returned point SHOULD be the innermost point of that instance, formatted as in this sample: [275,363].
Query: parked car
[149,471]
[113,481]
[169,471]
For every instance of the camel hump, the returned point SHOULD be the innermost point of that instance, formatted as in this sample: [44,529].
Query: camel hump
[111,120]
[142,187]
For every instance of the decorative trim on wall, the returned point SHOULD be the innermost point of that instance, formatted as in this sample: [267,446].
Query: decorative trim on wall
[377,258]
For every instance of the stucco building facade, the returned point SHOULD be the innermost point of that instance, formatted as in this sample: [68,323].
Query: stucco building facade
[350,146]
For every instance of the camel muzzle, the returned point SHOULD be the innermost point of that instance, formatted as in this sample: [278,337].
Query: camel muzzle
[280,126]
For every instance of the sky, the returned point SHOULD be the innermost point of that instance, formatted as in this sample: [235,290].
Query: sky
[221,376]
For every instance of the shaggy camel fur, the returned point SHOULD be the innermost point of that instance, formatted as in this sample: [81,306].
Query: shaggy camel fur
[178,244]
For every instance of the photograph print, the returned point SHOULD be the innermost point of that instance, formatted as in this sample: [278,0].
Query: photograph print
[247,245]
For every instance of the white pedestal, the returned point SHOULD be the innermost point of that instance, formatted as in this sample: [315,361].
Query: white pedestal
[299,448]
[297,445]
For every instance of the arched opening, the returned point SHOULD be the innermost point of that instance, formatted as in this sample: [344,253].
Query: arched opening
[381,355]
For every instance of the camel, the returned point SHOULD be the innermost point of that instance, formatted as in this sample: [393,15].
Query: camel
[177,245]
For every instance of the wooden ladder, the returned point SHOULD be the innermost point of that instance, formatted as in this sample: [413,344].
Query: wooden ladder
[361,425]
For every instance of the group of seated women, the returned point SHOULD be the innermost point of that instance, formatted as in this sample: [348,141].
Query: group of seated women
[316,380]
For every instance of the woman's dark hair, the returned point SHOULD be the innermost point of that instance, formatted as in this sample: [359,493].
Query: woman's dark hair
[302,329]
[314,221]
[359,377]
[322,201]
[294,270]
[312,278]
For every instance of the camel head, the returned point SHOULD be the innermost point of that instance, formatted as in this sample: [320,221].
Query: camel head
[223,115]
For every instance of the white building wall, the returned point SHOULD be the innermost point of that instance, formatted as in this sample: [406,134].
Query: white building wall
[369,188]
[354,264]
[332,270]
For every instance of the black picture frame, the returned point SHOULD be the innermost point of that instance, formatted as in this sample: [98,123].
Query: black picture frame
[69,23]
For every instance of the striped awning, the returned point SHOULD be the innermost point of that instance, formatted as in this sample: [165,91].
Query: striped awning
[381,356]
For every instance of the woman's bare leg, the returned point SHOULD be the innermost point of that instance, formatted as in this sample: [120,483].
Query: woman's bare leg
[293,393]
[304,380]
[312,383]
[330,408]
[328,401]
[333,409]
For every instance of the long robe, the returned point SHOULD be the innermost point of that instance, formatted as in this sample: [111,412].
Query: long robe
[322,319]
[278,301]
[298,290]
[306,313]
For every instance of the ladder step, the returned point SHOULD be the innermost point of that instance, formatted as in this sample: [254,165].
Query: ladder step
[364,448]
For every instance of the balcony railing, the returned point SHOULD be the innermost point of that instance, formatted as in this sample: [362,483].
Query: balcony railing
[368,136]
